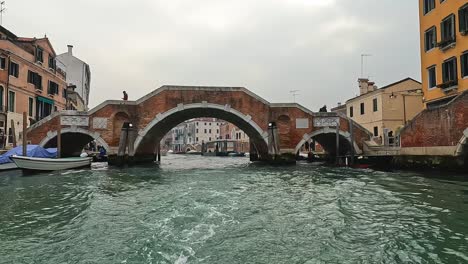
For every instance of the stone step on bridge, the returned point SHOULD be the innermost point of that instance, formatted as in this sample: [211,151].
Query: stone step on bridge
[274,129]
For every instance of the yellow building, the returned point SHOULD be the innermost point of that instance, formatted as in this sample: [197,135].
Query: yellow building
[444,49]
[387,108]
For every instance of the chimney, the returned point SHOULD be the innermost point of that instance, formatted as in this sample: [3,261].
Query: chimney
[70,50]
[363,85]
[371,87]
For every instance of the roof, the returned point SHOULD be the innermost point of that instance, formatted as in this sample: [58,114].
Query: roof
[8,33]
[23,39]
[339,107]
[385,87]
[395,83]
[32,40]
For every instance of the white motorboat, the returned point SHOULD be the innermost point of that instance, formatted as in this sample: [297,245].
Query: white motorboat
[48,164]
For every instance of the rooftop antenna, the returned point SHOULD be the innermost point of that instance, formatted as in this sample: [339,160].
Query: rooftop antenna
[2,10]
[362,63]
[294,93]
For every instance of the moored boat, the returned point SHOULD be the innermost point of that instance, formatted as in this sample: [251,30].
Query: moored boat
[48,164]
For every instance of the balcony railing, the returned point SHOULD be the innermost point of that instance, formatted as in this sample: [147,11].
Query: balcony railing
[446,44]
[450,85]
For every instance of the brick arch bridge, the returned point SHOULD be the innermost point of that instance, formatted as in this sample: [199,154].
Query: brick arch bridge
[158,112]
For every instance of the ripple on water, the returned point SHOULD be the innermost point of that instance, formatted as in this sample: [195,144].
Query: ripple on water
[225,210]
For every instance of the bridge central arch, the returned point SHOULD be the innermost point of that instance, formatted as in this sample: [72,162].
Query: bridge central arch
[326,137]
[149,137]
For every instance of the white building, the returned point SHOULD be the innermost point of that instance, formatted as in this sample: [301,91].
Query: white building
[206,129]
[78,73]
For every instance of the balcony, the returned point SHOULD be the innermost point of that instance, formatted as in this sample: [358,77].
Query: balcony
[446,44]
[448,86]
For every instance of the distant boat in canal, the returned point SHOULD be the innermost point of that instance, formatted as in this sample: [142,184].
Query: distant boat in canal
[49,164]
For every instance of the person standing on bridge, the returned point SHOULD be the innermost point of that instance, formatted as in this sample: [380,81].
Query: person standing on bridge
[125,96]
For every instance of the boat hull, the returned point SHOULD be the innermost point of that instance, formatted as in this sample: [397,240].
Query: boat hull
[44,164]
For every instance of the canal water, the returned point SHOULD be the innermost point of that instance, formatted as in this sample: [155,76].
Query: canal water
[227,210]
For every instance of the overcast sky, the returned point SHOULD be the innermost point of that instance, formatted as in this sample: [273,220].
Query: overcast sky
[268,46]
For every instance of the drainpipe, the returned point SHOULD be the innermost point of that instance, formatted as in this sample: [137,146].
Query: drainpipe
[404,108]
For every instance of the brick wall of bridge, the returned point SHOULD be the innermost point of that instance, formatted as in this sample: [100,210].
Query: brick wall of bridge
[142,114]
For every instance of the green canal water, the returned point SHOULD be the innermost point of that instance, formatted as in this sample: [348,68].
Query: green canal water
[226,210]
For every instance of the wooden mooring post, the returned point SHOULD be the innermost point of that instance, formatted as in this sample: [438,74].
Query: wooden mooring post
[13,133]
[25,134]
[59,139]
[351,132]
[337,144]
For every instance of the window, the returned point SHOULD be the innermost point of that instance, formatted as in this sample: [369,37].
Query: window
[14,69]
[430,39]
[53,88]
[362,109]
[464,64]
[197,130]
[64,93]
[428,6]
[463,19]
[217,131]
[10,135]
[210,131]
[210,124]
[449,72]
[432,80]
[31,106]
[374,104]
[447,31]
[2,63]
[197,139]
[205,130]
[351,111]
[51,62]
[209,139]
[35,79]
[376,131]
[39,55]
[11,101]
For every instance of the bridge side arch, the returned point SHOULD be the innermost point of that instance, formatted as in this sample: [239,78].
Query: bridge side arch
[52,135]
[328,130]
[164,122]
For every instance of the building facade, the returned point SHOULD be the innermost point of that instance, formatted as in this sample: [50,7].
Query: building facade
[78,74]
[230,131]
[191,134]
[444,49]
[30,82]
[388,108]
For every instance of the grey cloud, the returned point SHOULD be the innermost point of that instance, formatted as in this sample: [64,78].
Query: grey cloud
[268,46]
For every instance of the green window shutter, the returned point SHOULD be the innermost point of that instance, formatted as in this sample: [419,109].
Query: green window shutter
[461,20]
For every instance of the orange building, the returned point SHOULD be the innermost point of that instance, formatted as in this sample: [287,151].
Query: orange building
[30,82]
[444,49]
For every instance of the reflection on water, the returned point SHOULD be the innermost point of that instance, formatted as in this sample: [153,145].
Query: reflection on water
[226,210]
